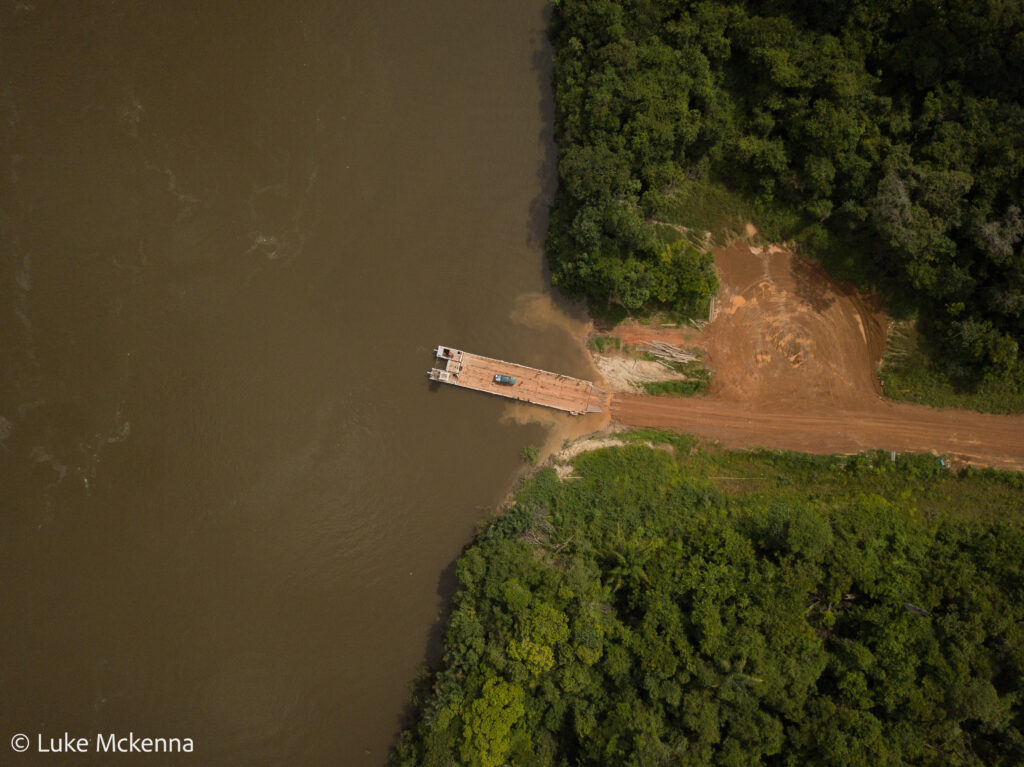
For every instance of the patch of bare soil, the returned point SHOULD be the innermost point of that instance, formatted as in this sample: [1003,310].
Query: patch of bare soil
[974,438]
[633,333]
[794,355]
[786,332]
[627,374]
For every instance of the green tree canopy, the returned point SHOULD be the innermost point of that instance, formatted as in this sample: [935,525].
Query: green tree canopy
[718,608]
[893,131]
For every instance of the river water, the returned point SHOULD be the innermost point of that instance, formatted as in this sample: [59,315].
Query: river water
[232,234]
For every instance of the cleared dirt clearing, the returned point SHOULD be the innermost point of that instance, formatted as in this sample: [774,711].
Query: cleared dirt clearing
[794,355]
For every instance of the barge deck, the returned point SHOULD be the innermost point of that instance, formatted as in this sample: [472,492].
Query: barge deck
[538,387]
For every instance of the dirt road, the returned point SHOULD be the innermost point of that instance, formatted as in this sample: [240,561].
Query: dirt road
[794,355]
[976,438]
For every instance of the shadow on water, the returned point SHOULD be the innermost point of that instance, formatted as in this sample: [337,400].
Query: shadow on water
[447,585]
[420,688]
[542,65]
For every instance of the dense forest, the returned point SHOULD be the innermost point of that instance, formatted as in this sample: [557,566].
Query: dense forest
[689,606]
[884,135]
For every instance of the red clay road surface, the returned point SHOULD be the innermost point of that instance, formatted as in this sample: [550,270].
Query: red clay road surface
[984,440]
[794,355]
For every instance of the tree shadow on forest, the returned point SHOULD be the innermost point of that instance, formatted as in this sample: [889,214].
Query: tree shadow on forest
[814,285]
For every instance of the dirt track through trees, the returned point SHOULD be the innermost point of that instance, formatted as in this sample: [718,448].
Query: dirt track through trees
[794,355]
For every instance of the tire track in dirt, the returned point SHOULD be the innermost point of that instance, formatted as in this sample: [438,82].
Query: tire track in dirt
[976,438]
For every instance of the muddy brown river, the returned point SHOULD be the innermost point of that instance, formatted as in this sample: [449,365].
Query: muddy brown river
[232,234]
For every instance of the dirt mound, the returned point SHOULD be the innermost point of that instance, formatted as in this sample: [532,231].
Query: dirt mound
[632,332]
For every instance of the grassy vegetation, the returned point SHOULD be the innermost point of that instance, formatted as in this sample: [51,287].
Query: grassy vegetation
[702,607]
[608,313]
[909,372]
[917,484]
[529,454]
[704,206]
[602,344]
[699,377]
[686,388]
[697,311]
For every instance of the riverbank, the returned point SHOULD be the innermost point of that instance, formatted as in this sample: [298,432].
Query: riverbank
[651,604]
